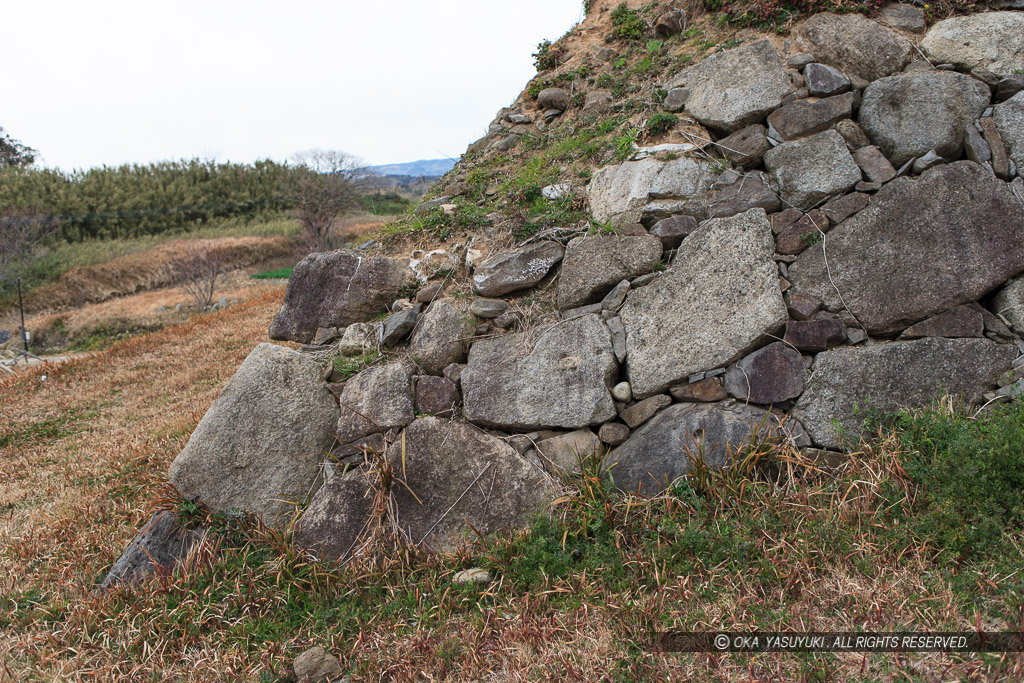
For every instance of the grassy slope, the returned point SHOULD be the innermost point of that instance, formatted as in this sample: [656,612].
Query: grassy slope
[82,463]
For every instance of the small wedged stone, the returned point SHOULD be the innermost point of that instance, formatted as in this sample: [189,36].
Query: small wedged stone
[441,337]
[332,525]
[707,390]
[673,230]
[874,164]
[743,193]
[613,433]
[1008,118]
[825,81]
[841,208]
[746,147]
[802,118]
[436,396]
[488,308]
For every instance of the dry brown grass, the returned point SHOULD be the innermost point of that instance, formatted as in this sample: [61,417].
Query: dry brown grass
[147,270]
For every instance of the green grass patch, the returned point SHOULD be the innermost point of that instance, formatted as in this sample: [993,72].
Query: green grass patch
[279,274]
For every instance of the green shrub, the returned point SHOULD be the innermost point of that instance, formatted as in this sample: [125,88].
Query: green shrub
[629,25]
[968,474]
[660,123]
[547,56]
[279,274]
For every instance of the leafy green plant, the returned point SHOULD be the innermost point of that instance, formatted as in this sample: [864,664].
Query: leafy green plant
[660,123]
[547,56]
[629,25]
[967,474]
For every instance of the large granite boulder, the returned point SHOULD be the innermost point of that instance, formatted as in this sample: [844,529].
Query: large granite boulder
[375,400]
[518,269]
[855,45]
[920,247]
[263,441]
[336,289]
[441,337]
[850,384]
[1009,120]
[738,87]
[555,377]
[718,301]
[811,169]
[908,115]
[993,41]
[640,190]
[460,481]
[336,519]
[594,265]
[159,546]
[660,451]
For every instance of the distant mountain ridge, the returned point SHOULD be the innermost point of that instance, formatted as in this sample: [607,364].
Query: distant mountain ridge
[423,167]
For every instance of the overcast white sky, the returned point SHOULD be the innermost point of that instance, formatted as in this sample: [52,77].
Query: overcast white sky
[114,81]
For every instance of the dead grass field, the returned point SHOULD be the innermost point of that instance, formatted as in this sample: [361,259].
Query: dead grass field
[83,458]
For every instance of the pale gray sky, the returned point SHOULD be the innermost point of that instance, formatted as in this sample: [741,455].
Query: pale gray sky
[114,81]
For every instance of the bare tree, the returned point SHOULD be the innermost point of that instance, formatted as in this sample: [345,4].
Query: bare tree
[325,184]
[197,269]
[21,233]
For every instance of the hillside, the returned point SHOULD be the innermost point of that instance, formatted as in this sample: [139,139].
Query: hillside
[720,328]
[423,167]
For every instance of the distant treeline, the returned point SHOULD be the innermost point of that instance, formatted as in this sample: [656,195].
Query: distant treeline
[137,200]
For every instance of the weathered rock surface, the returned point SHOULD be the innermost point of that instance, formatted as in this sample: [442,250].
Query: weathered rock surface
[921,247]
[718,300]
[436,396]
[358,338]
[336,289]
[1009,120]
[962,321]
[336,518]
[735,193]
[375,400]
[593,265]
[557,377]
[660,451]
[825,81]
[634,190]
[815,335]
[644,410]
[855,45]
[770,375]
[873,163]
[908,115]
[849,383]
[1009,303]
[746,147]
[441,337]
[159,546]
[264,438]
[554,98]
[671,231]
[707,390]
[993,41]
[315,665]
[802,118]
[809,170]
[518,269]
[450,468]
[735,88]
[565,451]
[906,17]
